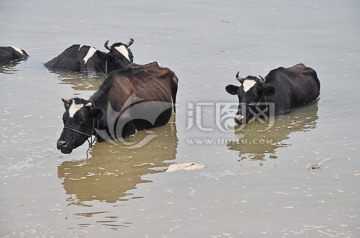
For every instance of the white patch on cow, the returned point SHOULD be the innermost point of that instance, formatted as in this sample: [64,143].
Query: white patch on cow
[89,54]
[17,49]
[74,108]
[248,84]
[122,49]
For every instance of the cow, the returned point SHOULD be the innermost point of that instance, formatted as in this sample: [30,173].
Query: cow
[87,59]
[135,98]
[285,88]
[10,54]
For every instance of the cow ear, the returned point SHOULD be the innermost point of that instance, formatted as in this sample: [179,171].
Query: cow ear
[232,89]
[67,103]
[96,113]
[268,90]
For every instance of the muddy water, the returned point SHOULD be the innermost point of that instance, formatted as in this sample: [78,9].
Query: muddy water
[111,171]
[256,181]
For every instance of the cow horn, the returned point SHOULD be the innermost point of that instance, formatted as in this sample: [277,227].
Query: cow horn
[89,104]
[262,79]
[130,42]
[106,45]
[239,78]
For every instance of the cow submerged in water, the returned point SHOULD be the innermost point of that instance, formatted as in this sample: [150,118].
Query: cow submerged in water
[136,98]
[286,88]
[87,59]
[11,54]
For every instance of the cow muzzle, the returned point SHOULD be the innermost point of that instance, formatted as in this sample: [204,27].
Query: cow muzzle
[62,145]
[239,119]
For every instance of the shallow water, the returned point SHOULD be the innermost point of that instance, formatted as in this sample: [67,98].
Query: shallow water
[256,181]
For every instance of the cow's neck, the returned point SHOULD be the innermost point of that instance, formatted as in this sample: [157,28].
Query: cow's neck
[100,101]
[120,64]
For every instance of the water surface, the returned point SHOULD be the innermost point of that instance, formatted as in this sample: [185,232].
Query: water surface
[256,181]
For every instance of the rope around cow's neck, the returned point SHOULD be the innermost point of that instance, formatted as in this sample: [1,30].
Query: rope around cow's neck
[258,103]
[90,139]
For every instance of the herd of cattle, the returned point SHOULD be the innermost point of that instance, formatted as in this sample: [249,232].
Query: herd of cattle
[135,97]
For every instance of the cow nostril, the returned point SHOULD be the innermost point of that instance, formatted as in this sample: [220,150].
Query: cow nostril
[239,119]
[61,143]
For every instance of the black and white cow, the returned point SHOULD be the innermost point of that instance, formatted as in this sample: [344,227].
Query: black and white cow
[285,88]
[135,98]
[87,59]
[9,54]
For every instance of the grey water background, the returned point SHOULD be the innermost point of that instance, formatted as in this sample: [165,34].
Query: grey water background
[247,189]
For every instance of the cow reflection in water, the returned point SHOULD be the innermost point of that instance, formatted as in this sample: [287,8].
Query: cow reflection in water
[80,82]
[9,69]
[112,171]
[257,143]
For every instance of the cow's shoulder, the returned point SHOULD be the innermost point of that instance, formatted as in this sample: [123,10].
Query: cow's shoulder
[293,71]
[152,65]
[74,50]
[275,73]
[153,69]
[77,47]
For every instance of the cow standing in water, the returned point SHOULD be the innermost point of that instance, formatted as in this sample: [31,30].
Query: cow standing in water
[286,88]
[135,98]
[9,54]
[87,59]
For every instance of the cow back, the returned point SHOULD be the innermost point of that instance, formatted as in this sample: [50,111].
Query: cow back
[71,59]
[138,92]
[295,86]
[152,81]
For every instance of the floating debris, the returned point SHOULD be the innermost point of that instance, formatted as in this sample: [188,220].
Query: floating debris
[318,165]
[185,166]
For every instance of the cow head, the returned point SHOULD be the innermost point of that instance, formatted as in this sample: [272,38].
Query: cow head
[78,120]
[119,55]
[251,92]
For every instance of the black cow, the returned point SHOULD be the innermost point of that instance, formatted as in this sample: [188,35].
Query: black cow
[87,59]
[286,88]
[9,54]
[135,98]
